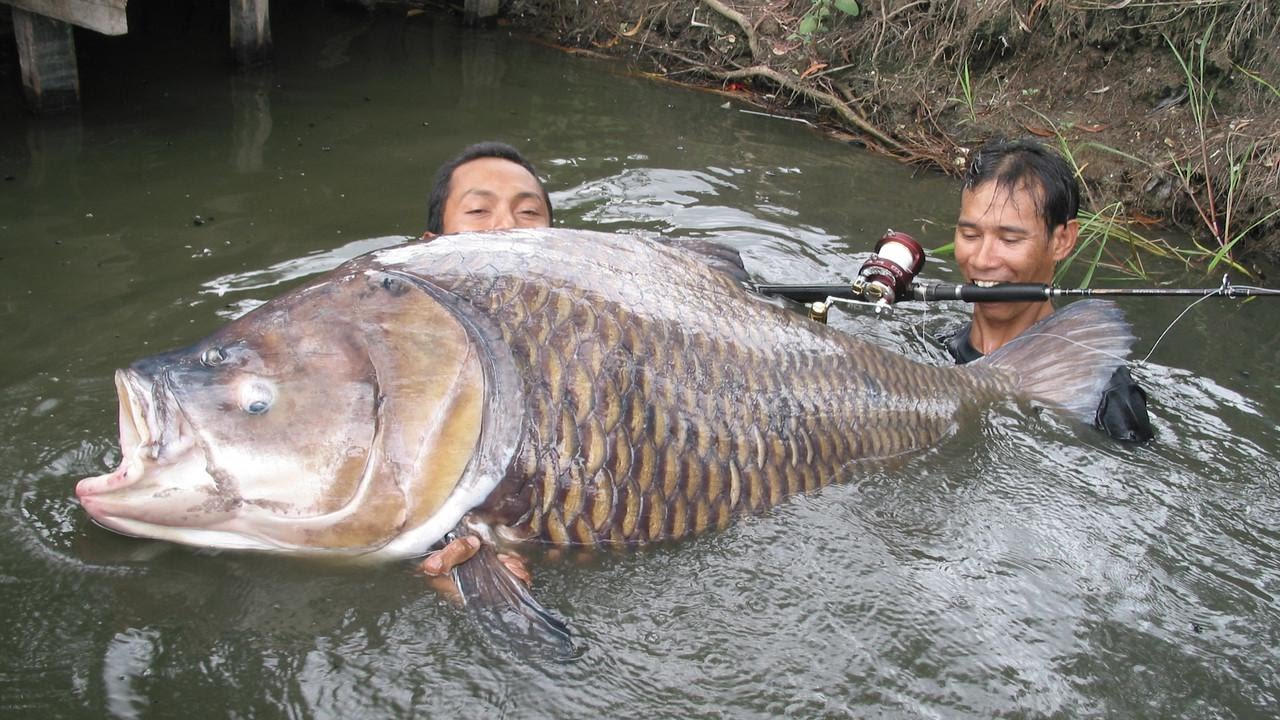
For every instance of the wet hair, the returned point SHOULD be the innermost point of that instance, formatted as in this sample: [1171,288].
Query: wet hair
[440,186]
[1012,164]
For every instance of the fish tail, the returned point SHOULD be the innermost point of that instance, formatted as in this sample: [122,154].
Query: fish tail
[1068,358]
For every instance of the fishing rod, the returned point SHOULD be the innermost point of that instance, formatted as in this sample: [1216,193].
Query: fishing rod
[889,276]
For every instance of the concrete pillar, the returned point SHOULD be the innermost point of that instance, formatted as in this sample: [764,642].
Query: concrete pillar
[250,32]
[47,56]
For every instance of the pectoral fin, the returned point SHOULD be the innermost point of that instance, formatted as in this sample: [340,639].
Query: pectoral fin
[503,605]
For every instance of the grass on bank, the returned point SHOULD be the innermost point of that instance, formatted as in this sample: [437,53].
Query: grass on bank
[1107,236]
[1217,209]
[1210,172]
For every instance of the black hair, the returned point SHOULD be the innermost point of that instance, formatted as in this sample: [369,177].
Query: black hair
[1014,163]
[440,187]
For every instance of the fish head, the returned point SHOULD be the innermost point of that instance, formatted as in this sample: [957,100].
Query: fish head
[333,419]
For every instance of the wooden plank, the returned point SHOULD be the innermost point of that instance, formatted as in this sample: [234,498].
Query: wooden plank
[250,32]
[104,16]
[47,56]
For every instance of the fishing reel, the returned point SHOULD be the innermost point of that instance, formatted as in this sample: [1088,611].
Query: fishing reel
[884,278]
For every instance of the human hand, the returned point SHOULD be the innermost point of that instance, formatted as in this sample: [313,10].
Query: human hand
[457,551]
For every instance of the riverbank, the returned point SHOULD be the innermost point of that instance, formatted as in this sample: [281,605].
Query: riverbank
[1170,111]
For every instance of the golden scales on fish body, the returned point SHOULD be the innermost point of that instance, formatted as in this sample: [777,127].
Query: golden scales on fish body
[535,386]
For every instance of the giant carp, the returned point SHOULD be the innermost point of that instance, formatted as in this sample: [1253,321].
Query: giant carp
[535,386]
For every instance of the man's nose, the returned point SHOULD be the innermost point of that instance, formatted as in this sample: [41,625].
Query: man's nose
[988,254]
[503,219]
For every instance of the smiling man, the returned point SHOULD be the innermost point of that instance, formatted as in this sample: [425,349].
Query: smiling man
[1017,220]
[488,186]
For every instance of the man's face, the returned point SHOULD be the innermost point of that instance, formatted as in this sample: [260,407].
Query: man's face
[493,194]
[1001,238]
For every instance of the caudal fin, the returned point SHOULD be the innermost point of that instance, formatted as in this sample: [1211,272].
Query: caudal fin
[1068,358]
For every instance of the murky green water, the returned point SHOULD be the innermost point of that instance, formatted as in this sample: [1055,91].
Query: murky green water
[1026,568]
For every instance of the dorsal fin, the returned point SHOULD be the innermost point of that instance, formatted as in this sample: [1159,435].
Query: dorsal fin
[716,255]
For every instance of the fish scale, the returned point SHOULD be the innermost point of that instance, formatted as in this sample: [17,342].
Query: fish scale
[646,424]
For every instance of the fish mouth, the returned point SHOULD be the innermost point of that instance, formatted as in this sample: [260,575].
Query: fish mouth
[153,432]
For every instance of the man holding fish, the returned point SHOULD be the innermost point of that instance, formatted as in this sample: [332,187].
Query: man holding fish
[487,186]
[1017,221]
[492,390]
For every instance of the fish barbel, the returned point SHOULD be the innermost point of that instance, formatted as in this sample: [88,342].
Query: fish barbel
[549,386]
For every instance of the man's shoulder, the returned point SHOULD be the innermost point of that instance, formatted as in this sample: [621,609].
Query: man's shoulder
[955,339]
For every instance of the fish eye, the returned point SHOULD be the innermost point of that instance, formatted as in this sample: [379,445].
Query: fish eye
[212,357]
[257,396]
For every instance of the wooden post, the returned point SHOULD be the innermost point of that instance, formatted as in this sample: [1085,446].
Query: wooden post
[104,16]
[250,32]
[47,56]
[476,12]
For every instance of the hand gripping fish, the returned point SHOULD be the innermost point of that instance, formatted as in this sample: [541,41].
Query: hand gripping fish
[535,386]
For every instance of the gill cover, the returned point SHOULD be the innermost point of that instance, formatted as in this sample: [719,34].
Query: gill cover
[427,415]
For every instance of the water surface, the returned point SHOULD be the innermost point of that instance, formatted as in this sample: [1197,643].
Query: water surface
[1028,567]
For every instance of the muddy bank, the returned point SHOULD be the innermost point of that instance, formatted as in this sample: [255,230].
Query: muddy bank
[1171,111]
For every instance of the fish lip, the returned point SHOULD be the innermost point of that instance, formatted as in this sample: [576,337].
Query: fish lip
[153,431]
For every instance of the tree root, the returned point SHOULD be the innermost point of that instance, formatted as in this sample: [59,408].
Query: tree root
[761,71]
[741,21]
[846,112]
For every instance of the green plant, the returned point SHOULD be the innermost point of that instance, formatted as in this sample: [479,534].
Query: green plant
[966,91]
[1258,79]
[1107,239]
[1215,208]
[1111,226]
[1099,231]
[815,18]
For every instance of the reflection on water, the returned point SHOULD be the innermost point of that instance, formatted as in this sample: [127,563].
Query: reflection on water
[250,120]
[1026,567]
[128,659]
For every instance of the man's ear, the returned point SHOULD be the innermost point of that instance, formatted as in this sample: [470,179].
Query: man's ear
[1064,239]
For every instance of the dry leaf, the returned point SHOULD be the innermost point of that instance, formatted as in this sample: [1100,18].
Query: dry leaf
[632,32]
[816,67]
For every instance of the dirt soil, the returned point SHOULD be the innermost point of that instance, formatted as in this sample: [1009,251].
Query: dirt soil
[1170,109]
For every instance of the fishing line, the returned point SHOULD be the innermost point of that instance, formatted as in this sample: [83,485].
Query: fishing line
[1156,344]
[1185,310]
